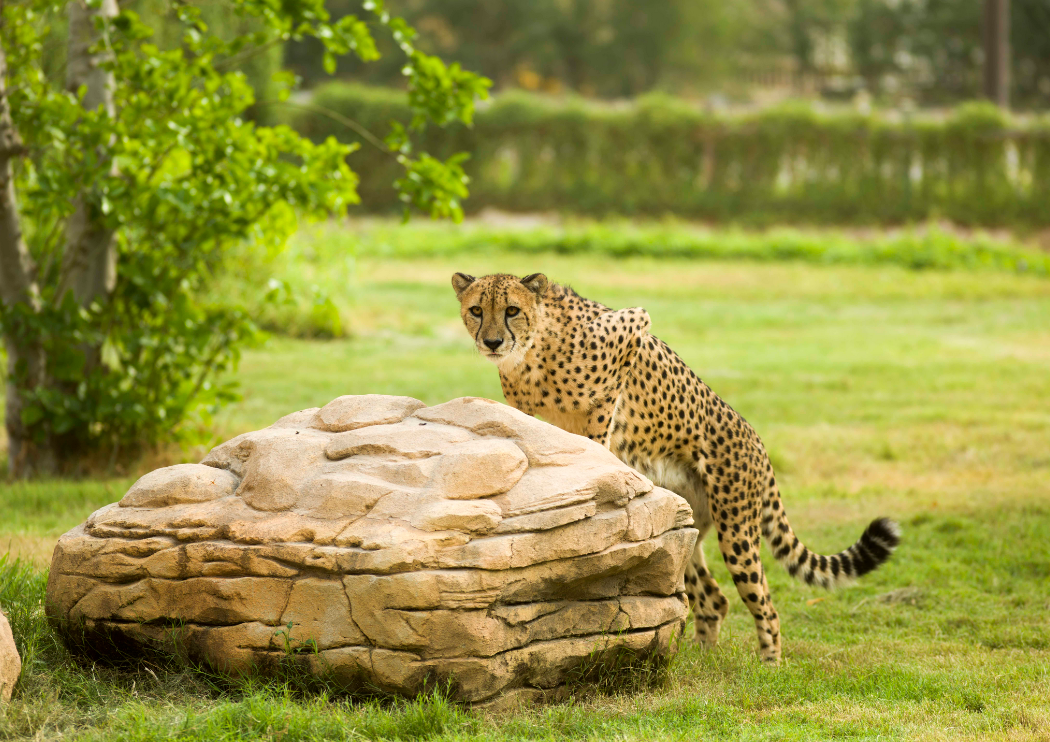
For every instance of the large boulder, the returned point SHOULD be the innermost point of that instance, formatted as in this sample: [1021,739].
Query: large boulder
[386,544]
[10,662]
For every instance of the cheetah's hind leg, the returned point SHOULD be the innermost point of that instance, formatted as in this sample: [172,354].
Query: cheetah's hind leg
[705,598]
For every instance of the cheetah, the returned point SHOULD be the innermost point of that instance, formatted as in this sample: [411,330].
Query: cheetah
[595,371]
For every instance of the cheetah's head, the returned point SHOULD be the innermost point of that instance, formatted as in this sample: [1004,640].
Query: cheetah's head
[501,312]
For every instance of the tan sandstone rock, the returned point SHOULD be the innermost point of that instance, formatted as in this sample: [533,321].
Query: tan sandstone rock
[390,545]
[10,662]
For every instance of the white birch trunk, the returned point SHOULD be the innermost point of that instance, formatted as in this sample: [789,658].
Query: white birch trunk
[90,258]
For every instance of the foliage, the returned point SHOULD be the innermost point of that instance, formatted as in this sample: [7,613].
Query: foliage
[660,156]
[261,64]
[181,176]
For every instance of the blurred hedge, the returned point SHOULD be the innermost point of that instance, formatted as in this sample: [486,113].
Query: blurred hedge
[660,156]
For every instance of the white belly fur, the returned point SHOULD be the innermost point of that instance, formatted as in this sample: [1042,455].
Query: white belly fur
[677,477]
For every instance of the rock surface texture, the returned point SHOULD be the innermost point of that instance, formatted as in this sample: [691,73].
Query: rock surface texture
[10,662]
[385,544]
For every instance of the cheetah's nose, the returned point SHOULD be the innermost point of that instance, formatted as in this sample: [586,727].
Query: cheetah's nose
[493,344]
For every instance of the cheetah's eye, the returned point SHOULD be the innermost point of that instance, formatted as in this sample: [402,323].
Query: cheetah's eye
[476,311]
[512,311]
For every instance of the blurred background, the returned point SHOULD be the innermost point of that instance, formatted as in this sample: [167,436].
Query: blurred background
[725,53]
[752,111]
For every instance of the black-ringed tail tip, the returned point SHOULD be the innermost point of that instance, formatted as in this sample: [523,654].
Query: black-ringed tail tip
[871,550]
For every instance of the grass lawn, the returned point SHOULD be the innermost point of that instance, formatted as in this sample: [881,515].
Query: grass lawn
[923,395]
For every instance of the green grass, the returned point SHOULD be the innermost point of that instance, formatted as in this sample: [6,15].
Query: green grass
[33,515]
[878,388]
[315,281]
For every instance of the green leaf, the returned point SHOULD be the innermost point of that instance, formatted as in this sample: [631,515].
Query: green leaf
[32,414]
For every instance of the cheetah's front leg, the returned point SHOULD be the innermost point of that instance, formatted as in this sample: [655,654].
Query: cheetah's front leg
[599,425]
[705,598]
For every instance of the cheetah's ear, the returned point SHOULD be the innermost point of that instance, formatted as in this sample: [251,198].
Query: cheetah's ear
[536,283]
[460,282]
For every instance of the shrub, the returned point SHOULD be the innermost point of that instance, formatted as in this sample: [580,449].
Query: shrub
[658,156]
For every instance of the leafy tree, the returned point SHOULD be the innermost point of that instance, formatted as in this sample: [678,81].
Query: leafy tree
[122,191]
[932,48]
[606,48]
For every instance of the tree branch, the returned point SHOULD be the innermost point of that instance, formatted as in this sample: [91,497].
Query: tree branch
[339,119]
[238,59]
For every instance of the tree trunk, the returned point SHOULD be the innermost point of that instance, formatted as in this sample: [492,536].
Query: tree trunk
[996,33]
[90,258]
[25,356]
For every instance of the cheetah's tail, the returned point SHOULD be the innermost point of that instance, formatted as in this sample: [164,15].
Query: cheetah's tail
[870,551]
